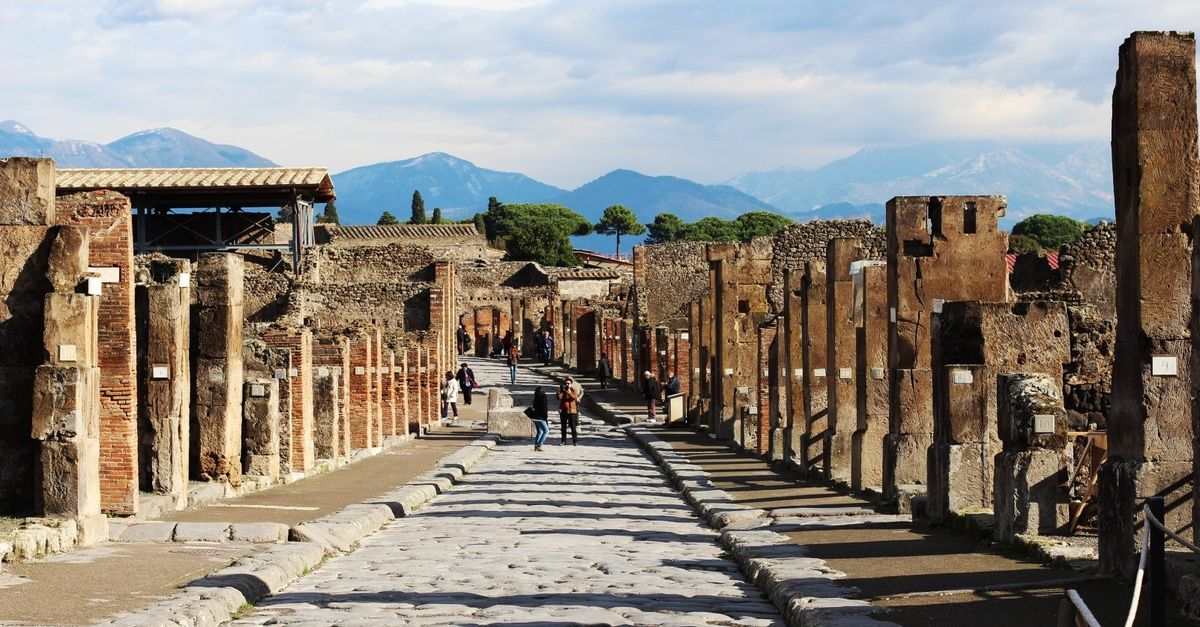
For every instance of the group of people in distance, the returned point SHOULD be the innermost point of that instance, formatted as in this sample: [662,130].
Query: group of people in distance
[568,394]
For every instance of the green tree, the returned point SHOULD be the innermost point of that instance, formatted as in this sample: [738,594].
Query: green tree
[418,208]
[761,223]
[714,229]
[1049,231]
[496,213]
[480,223]
[667,227]
[1022,244]
[330,215]
[387,218]
[540,232]
[437,216]
[285,215]
[619,220]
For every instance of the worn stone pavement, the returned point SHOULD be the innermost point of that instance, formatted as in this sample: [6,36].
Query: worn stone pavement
[588,534]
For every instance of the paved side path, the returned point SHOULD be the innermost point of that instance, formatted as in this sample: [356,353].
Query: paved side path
[590,534]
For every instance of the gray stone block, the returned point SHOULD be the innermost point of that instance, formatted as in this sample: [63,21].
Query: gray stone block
[154,531]
[202,532]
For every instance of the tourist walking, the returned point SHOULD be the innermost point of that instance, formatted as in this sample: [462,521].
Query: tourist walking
[603,370]
[540,416]
[568,411]
[507,343]
[651,390]
[449,396]
[539,346]
[466,382]
[512,363]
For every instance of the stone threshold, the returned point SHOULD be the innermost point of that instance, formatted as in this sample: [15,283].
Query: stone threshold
[219,596]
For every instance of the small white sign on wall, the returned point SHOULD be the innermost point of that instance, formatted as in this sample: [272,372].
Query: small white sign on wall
[67,353]
[322,371]
[683,336]
[160,371]
[798,373]
[845,373]
[963,377]
[877,374]
[359,370]
[729,372]
[93,286]
[818,372]
[292,372]
[279,373]
[258,390]
[892,314]
[108,274]
[1043,423]
[1164,366]
[185,279]
[216,376]
[938,303]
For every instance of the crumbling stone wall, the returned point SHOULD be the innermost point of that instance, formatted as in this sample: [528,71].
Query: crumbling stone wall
[806,241]
[675,274]
[389,263]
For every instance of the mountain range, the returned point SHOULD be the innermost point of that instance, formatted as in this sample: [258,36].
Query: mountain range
[1073,179]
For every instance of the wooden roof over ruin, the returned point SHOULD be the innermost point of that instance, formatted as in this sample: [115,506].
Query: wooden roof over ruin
[202,187]
[398,231]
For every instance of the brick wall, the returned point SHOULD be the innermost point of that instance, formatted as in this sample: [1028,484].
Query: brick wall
[300,343]
[108,217]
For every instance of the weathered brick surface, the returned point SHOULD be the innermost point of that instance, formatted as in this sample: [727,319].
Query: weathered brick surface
[109,218]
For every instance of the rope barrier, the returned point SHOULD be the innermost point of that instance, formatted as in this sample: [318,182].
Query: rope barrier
[1163,528]
[1082,609]
[1141,571]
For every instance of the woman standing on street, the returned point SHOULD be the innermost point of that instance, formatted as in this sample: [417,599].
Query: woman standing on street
[512,363]
[449,395]
[540,417]
[568,410]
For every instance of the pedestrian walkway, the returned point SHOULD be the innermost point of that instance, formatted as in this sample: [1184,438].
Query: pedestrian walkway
[917,574]
[87,585]
[588,534]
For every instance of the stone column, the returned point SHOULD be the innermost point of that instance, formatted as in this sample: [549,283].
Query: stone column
[840,361]
[939,248]
[359,409]
[326,410]
[871,324]
[723,280]
[379,411]
[260,427]
[1151,427]
[793,358]
[815,443]
[164,372]
[1030,498]
[217,352]
[759,440]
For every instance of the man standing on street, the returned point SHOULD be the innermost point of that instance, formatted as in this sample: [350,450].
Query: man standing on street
[651,392]
[568,411]
[603,370]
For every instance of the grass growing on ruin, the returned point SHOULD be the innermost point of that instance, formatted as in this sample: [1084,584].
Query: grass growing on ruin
[242,611]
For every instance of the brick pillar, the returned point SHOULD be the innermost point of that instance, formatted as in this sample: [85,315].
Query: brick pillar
[299,383]
[723,280]
[871,321]
[389,393]
[164,378]
[839,355]
[108,217]
[1151,426]
[217,355]
[413,386]
[378,410]
[359,381]
[404,413]
[683,362]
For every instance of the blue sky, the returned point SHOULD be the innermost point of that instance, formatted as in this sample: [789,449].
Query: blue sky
[567,90]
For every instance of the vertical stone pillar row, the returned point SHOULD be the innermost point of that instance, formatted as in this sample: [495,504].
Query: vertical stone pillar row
[723,281]
[359,409]
[217,357]
[1151,427]
[817,438]
[163,302]
[793,366]
[297,384]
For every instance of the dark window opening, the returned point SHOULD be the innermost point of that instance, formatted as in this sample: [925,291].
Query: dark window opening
[744,306]
[917,248]
[969,217]
[935,215]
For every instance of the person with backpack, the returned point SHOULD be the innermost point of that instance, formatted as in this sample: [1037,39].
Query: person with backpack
[651,391]
[540,416]
[568,411]
[449,396]
[466,382]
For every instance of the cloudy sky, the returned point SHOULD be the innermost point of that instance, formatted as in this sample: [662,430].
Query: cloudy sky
[565,90]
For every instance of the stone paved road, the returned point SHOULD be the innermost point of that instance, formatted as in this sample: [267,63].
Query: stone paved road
[573,535]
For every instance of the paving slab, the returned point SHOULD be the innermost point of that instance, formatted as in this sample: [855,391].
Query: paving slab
[588,534]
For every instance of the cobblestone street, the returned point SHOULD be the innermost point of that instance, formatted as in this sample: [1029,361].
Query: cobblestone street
[588,534]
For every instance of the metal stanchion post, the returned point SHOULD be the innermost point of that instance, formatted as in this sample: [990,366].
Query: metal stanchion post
[1158,566]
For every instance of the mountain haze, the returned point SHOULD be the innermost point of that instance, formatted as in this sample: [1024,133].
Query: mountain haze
[161,147]
[1068,179]
[458,186]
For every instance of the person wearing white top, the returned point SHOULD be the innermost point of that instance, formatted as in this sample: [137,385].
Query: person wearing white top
[449,395]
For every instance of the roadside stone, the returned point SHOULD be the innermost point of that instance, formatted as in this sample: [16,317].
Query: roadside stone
[148,532]
[258,532]
[201,532]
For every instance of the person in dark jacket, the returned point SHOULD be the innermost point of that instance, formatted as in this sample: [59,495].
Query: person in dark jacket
[673,385]
[603,370]
[540,417]
[466,382]
[568,411]
[651,391]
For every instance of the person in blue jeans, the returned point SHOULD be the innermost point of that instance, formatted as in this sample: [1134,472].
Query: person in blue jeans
[541,418]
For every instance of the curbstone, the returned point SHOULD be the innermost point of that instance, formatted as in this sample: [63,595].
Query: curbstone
[803,588]
[154,531]
[201,532]
[258,532]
